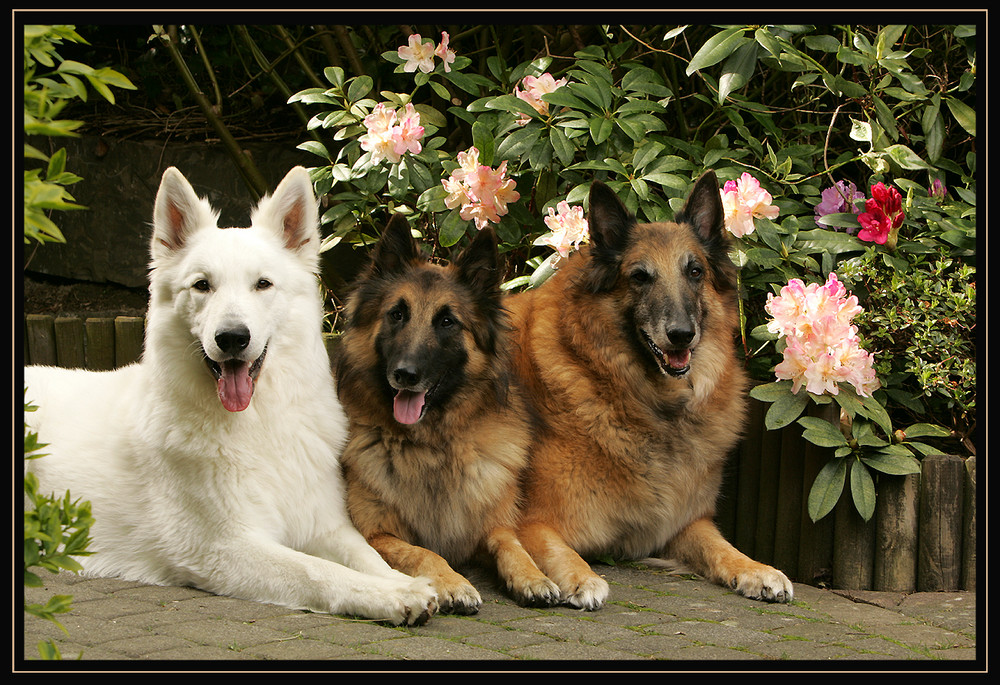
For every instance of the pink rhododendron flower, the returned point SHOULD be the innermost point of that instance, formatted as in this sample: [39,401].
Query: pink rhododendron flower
[387,139]
[822,348]
[742,202]
[883,213]
[418,55]
[447,56]
[839,198]
[534,89]
[568,229]
[407,135]
[481,193]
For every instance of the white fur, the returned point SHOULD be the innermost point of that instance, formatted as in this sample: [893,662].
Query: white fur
[242,503]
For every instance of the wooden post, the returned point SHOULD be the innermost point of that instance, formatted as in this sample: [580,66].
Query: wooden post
[940,549]
[816,546]
[129,332]
[100,344]
[896,526]
[41,340]
[748,481]
[788,516]
[69,342]
[969,528]
[854,547]
[767,496]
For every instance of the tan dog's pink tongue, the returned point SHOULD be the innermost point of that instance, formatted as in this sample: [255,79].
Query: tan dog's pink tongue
[407,405]
[235,386]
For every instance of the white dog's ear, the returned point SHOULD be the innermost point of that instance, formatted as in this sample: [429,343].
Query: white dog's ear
[178,212]
[292,211]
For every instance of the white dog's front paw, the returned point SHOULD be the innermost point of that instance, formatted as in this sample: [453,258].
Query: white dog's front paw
[412,602]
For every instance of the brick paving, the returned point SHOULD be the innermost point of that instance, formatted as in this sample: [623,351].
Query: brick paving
[652,617]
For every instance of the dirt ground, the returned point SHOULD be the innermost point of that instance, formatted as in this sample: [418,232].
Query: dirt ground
[60,297]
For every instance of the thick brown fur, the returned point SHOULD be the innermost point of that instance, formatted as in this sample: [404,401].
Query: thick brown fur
[435,493]
[628,356]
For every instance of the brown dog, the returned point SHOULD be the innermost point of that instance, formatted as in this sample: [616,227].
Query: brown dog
[627,354]
[438,434]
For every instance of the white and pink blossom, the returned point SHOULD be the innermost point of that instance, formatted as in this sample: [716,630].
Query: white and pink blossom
[822,348]
[480,192]
[534,89]
[391,134]
[417,54]
[568,229]
[743,201]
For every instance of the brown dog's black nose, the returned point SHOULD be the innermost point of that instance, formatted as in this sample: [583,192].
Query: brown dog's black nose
[406,376]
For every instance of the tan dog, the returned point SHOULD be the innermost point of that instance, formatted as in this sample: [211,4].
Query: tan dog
[439,436]
[627,354]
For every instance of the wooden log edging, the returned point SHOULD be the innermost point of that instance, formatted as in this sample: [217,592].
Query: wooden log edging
[922,536]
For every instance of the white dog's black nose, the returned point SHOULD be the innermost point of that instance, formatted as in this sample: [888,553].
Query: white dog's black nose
[234,340]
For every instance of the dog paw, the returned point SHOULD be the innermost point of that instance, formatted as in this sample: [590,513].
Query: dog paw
[415,602]
[589,594]
[459,599]
[536,592]
[766,584]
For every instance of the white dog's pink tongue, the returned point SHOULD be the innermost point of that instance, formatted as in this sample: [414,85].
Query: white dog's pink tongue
[407,405]
[235,385]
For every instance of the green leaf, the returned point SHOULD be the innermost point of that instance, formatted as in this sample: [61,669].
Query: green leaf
[840,220]
[452,229]
[964,115]
[926,430]
[600,129]
[769,392]
[785,409]
[827,488]
[359,88]
[716,49]
[863,490]
[821,432]
[892,463]
[738,69]
[562,146]
[562,97]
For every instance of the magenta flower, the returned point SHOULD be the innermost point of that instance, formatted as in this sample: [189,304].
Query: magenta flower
[937,190]
[883,214]
[839,198]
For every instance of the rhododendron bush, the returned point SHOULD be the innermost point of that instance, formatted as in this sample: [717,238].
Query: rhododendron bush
[857,169]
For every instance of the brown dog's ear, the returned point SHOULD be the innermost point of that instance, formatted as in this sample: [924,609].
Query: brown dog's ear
[704,213]
[703,209]
[610,225]
[478,264]
[396,248]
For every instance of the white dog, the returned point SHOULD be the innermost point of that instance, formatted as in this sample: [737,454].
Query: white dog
[213,461]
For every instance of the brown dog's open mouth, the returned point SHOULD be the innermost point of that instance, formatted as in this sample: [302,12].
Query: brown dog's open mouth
[235,380]
[672,362]
[408,406]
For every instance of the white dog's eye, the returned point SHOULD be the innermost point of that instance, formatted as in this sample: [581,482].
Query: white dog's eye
[264,284]
[202,285]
